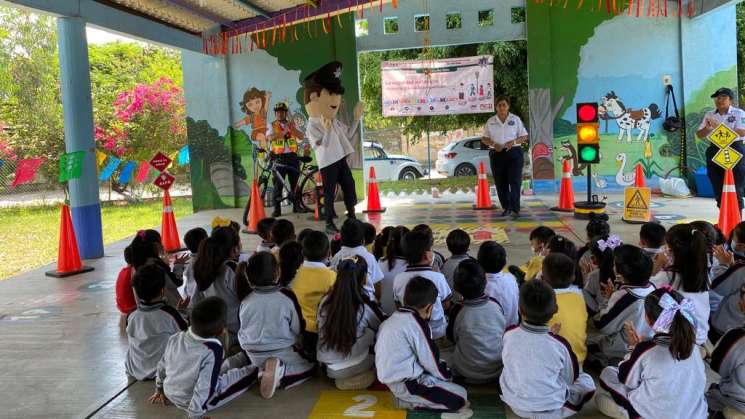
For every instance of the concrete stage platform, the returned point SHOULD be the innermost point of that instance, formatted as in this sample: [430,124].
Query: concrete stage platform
[62,350]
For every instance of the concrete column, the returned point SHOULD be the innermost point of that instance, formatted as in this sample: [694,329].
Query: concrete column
[78,117]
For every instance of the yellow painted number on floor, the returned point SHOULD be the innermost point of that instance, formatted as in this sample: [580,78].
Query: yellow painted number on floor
[353,404]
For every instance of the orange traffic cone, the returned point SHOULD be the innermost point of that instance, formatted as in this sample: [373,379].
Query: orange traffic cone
[639,177]
[318,192]
[483,200]
[255,210]
[729,208]
[373,195]
[68,257]
[566,192]
[168,230]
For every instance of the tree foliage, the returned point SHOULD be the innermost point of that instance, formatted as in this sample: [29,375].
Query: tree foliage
[510,79]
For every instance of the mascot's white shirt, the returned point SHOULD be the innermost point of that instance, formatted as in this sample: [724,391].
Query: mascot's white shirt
[332,145]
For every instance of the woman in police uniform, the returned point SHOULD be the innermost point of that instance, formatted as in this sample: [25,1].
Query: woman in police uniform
[734,118]
[285,140]
[503,134]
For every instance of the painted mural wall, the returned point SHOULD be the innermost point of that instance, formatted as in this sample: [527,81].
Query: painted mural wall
[620,61]
[228,98]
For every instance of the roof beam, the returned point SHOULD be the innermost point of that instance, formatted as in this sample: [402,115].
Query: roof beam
[201,12]
[254,8]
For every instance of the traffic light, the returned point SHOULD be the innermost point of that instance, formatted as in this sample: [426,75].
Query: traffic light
[588,134]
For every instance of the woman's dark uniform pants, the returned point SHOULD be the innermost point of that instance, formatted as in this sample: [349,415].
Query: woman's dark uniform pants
[507,169]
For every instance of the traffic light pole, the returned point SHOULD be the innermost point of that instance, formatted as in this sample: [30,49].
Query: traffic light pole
[589,183]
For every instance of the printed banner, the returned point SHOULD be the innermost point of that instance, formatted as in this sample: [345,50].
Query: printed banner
[26,171]
[126,174]
[109,169]
[438,87]
[183,155]
[142,171]
[71,165]
[160,162]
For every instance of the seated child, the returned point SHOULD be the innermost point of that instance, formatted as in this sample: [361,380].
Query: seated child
[264,229]
[347,324]
[417,246]
[271,325]
[370,234]
[539,238]
[438,260]
[625,304]
[352,244]
[193,239]
[501,286]
[688,273]
[714,239]
[303,234]
[312,281]
[541,375]
[391,264]
[290,260]
[652,238]
[561,244]
[602,271]
[728,360]
[193,373]
[407,359]
[571,319]
[381,241]
[663,377]
[144,246]
[283,231]
[458,242]
[476,326]
[597,227]
[151,324]
[214,273]
[727,285]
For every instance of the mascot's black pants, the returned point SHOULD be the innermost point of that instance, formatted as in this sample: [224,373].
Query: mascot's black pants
[333,174]
[507,169]
[716,173]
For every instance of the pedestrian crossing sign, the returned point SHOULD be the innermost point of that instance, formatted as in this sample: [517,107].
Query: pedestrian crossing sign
[722,136]
[727,158]
[636,205]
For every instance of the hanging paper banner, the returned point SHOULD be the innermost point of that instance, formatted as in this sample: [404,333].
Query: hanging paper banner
[438,87]
[126,174]
[109,169]
[26,171]
[142,171]
[164,180]
[1,163]
[174,159]
[71,165]
[100,158]
[160,162]
[183,155]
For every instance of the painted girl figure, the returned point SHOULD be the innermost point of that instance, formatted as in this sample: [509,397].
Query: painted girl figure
[255,104]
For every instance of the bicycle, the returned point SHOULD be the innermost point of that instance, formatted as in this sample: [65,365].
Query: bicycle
[268,169]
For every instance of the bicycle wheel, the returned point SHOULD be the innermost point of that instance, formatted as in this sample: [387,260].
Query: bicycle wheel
[308,196]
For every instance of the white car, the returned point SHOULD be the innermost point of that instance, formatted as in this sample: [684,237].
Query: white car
[390,166]
[462,158]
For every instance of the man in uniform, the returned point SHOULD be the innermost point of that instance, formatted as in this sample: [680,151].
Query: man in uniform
[284,139]
[330,138]
[734,118]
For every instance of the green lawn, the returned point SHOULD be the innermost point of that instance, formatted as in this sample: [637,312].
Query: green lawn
[451,184]
[29,235]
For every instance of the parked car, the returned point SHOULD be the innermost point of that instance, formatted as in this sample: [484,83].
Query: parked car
[462,158]
[391,166]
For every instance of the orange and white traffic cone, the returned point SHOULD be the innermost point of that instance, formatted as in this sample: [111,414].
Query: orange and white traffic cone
[373,195]
[168,229]
[68,257]
[483,200]
[729,208]
[639,176]
[255,210]
[566,192]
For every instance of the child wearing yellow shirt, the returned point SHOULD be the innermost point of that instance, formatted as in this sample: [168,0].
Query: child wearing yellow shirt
[571,319]
[312,281]
[539,238]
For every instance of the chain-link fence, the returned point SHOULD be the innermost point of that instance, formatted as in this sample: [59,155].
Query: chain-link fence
[43,191]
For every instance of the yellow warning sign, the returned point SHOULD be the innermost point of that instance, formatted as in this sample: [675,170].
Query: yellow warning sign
[636,204]
[356,404]
[722,136]
[727,158]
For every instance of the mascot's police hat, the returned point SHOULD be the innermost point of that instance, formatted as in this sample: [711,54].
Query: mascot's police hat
[327,77]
